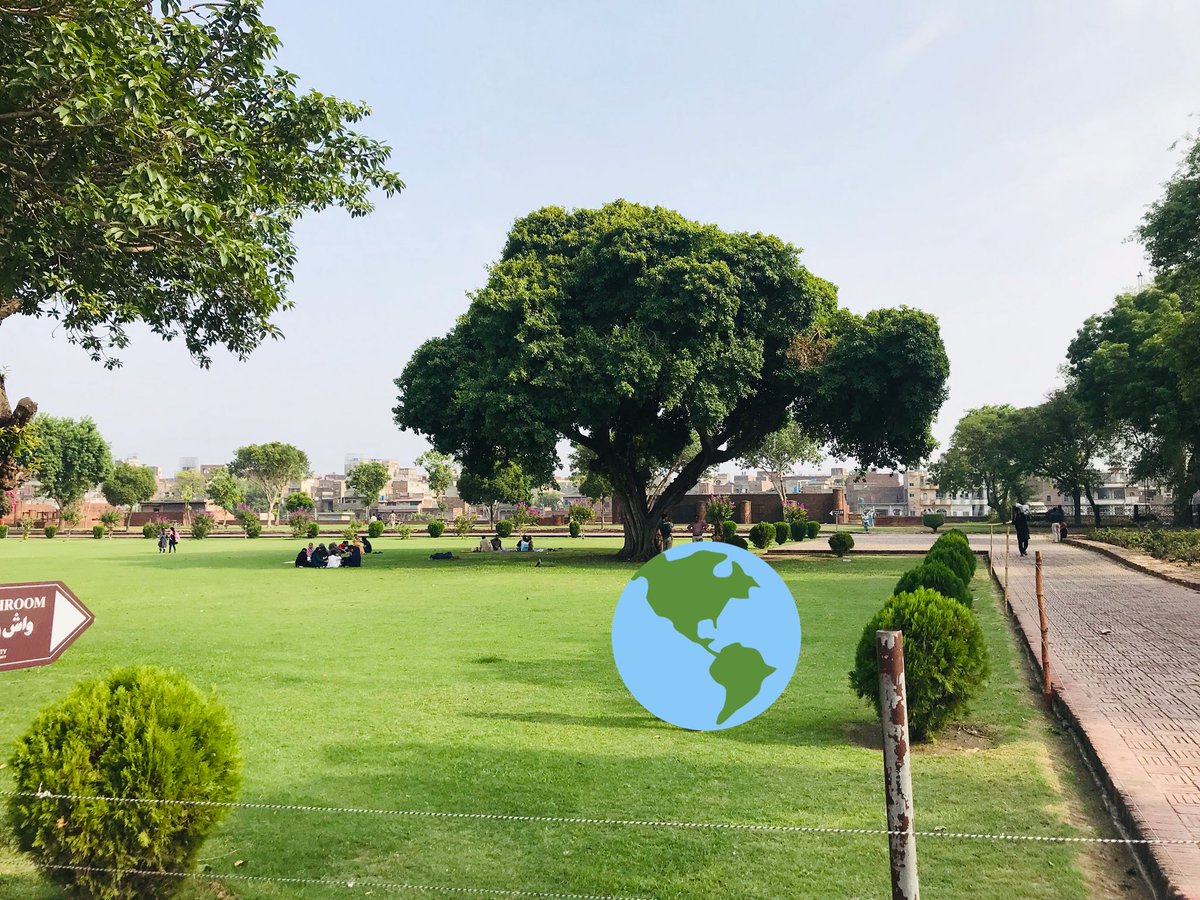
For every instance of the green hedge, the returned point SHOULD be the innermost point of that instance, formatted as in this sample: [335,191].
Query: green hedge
[841,542]
[960,560]
[937,577]
[1172,545]
[504,528]
[814,528]
[374,528]
[435,528]
[762,534]
[783,532]
[799,530]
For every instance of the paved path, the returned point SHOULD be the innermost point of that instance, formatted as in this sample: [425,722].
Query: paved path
[1125,661]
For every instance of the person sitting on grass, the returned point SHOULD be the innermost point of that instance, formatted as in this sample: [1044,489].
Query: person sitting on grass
[302,559]
[354,557]
[525,544]
[485,546]
[366,544]
[320,555]
[497,544]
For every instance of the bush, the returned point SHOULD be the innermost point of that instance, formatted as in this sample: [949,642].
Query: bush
[435,528]
[111,519]
[3,532]
[762,534]
[840,542]
[298,522]
[738,541]
[1172,545]
[314,530]
[463,525]
[798,529]
[27,523]
[252,527]
[299,502]
[582,513]
[97,531]
[933,521]
[374,529]
[202,526]
[137,732]
[783,532]
[955,559]
[945,659]
[404,532]
[728,530]
[574,528]
[504,528]
[51,530]
[814,528]
[794,512]
[718,511]
[937,577]
[149,530]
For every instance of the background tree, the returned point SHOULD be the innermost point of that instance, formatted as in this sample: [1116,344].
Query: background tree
[1170,230]
[779,452]
[152,167]
[225,490]
[298,500]
[594,485]
[506,484]
[992,449]
[190,484]
[72,458]
[367,479]
[272,466]
[439,467]
[1138,371]
[548,498]
[18,445]
[1068,445]
[637,334]
[128,485]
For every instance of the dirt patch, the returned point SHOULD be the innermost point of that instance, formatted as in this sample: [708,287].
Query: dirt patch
[958,738]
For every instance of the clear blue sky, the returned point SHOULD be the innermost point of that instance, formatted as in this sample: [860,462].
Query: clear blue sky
[985,162]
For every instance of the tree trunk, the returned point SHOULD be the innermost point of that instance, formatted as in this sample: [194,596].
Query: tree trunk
[11,473]
[1092,503]
[1075,496]
[640,532]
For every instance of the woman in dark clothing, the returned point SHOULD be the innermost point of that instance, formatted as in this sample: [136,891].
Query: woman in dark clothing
[1021,526]
[366,544]
[354,557]
[319,556]
[302,559]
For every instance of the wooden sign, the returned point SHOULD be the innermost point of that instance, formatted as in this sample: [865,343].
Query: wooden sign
[38,621]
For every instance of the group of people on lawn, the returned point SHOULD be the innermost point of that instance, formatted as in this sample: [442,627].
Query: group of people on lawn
[335,556]
[495,545]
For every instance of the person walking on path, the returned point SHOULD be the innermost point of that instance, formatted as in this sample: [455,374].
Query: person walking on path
[162,540]
[1056,517]
[172,539]
[1021,526]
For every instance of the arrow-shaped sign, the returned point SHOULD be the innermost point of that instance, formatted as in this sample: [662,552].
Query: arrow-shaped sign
[38,621]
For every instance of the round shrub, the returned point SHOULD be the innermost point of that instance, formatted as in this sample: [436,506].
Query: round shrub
[504,528]
[374,529]
[202,526]
[728,530]
[435,528]
[149,530]
[814,528]
[959,562]
[137,732]
[253,527]
[799,530]
[298,522]
[574,528]
[51,530]
[937,577]
[97,531]
[762,534]
[841,542]
[783,532]
[945,659]
[933,521]
[404,532]
[953,536]
[3,532]
[738,541]
[314,530]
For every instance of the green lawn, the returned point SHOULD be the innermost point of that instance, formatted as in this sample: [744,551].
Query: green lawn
[488,685]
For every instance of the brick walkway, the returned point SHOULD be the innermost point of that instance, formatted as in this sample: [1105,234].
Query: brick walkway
[1125,661]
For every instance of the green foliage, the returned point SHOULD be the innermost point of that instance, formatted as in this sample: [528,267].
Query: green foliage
[162,164]
[19,443]
[504,528]
[522,516]
[504,483]
[250,522]
[111,518]
[435,528]
[374,528]
[1077,439]
[299,523]
[314,530]
[72,458]
[350,532]
[128,485]
[814,529]
[783,532]
[137,732]
[574,528]
[272,466]
[738,541]
[958,557]
[1172,545]
[51,530]
[1170,230]
[993,449]
[97,531]
[728,530]
[27,523]
[936,576]
[3,531]
[404,532]
[841,542]
[441,472]
[798,530]
[367,480]
[933,521]
[762,534]
[717,511]
[794,512]
[780,451]
[945,659]
[298,501]
[549,499]
[190,484]
[202,525]
[463,525]
[582,514]
[225,490]
[665,335]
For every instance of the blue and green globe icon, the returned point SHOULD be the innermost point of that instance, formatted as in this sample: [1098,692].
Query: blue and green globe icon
[706,636]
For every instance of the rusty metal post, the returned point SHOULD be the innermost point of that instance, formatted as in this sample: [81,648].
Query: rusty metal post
[1007,535]
[897,776]
[1045,626]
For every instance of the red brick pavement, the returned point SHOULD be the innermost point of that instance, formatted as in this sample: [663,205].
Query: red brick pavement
[1125,661]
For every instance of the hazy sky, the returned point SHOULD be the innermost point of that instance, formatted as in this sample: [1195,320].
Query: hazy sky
[986,162]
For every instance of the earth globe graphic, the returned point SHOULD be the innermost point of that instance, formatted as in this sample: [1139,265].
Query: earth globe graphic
[706,636]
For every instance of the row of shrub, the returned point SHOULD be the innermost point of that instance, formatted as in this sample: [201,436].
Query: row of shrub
[945,657]
[1182,545]
[764,534]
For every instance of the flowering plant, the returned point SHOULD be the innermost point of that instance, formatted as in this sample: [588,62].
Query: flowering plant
[794,511]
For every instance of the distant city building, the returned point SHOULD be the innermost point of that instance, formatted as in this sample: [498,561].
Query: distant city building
[189,463]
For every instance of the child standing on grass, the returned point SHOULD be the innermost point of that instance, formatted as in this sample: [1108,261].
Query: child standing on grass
[172,540]
[162,540]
